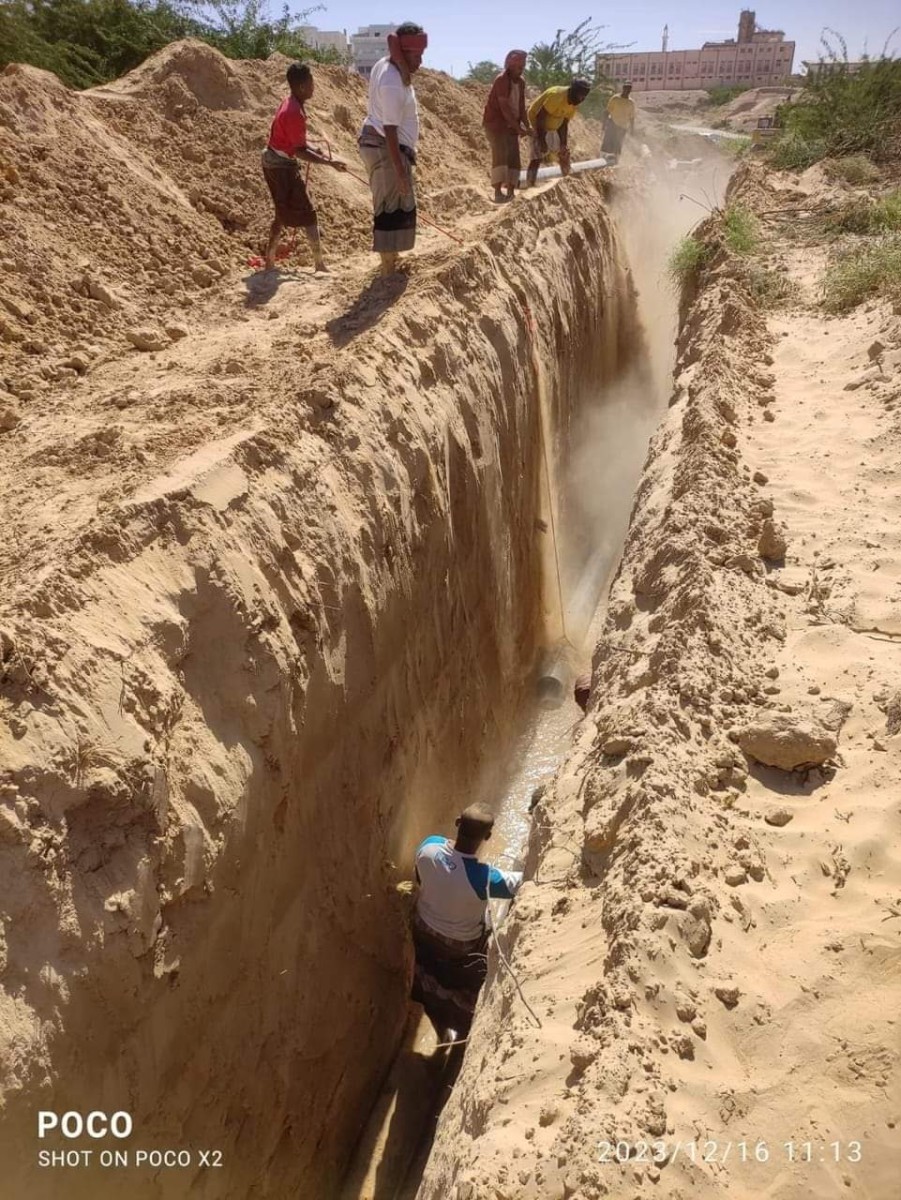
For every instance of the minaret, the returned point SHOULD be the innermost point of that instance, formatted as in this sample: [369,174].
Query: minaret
[665,37]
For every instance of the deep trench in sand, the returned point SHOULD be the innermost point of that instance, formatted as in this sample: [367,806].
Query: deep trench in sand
[588,487]
[330,625]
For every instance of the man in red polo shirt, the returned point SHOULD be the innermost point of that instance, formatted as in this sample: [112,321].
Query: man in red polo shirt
[287,143]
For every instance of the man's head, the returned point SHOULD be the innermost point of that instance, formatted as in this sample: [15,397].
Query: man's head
[578,90]
[515,63]
[474,826]
[627,88]
[300,81]
[408,42]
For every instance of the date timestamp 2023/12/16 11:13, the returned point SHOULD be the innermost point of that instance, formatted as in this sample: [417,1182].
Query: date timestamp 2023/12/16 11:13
[710,1151]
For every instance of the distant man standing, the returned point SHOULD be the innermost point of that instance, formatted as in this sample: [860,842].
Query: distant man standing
[449,931]
[619,120]
[287,143]
[505,123]
[388,144]
[550,115]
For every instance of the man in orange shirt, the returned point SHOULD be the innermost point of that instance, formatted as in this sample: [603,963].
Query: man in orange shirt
[287,143]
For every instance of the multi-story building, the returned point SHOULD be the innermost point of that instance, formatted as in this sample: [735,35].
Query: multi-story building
[369,45]
[326,39]
[756,58]
[836,67]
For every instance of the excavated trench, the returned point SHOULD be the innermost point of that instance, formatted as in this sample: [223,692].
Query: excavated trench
[586,502]
[310,644]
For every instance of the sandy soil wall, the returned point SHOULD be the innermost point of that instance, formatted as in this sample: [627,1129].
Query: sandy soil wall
[219,736]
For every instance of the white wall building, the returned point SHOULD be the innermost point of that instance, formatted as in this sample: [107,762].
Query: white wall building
[756,58]
[370,44]
[325,39]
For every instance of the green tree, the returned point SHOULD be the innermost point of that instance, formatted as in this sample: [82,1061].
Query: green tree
[87,42]
[570,55]
[244,29]
[485,71]
[573,55]
[848,110]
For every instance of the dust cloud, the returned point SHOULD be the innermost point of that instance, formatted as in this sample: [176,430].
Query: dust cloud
[655,203]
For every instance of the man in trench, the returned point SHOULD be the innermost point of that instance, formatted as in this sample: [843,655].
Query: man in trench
[450,935]
[619,119]
[550,115]
[388,144]
[505,122]
[287,143]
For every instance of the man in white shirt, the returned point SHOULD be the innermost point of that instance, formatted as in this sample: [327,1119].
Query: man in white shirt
[388,143]
[449,924]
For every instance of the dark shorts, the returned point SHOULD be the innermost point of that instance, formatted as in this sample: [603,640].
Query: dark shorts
[448,977]
[289,195]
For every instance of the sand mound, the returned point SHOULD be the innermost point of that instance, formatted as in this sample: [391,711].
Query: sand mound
[130,201]
[213,80]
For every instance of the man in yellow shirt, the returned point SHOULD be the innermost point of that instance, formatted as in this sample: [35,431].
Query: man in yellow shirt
[619,120]
[549,117]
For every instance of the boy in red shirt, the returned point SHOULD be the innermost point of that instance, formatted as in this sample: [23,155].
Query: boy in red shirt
[287,143]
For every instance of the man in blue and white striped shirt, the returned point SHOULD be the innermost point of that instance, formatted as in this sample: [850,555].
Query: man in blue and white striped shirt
[449,931]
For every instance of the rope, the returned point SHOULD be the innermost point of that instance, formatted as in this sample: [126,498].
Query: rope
[257,260]
[539,381]
[365,182]
[531,1011]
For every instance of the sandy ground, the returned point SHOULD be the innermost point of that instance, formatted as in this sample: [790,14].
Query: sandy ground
[215,549]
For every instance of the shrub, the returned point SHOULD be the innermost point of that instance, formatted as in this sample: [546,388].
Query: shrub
[740,231]
[850,113]
[736,147]
[791,152]
[867,217]
[723,95]
[86,42]
[686,260]
[856,169]
[770,289]
[862,272]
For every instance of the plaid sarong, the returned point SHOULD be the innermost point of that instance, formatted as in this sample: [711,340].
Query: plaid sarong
[393,215]
[448,976]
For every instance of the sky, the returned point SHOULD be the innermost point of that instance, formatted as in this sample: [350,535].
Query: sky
[467,31]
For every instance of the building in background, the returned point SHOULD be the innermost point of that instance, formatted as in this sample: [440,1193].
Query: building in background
[326,39]
[835,67]
[369,44]
[756,58]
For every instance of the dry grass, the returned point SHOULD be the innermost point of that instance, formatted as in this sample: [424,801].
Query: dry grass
[868,217]
[856,169]
[859,272]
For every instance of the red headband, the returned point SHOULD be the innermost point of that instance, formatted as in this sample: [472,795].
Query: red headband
[414,41]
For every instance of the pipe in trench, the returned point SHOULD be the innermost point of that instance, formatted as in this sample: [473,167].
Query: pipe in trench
[554,172]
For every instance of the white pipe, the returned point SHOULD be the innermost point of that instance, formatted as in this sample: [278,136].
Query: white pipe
[588,164]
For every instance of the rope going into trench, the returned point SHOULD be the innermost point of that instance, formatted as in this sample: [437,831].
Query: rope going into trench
[497,945]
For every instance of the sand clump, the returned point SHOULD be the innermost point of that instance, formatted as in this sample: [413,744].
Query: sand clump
[786,742]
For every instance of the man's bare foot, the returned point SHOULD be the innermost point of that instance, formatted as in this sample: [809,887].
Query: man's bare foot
[320,267]
[269,264]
